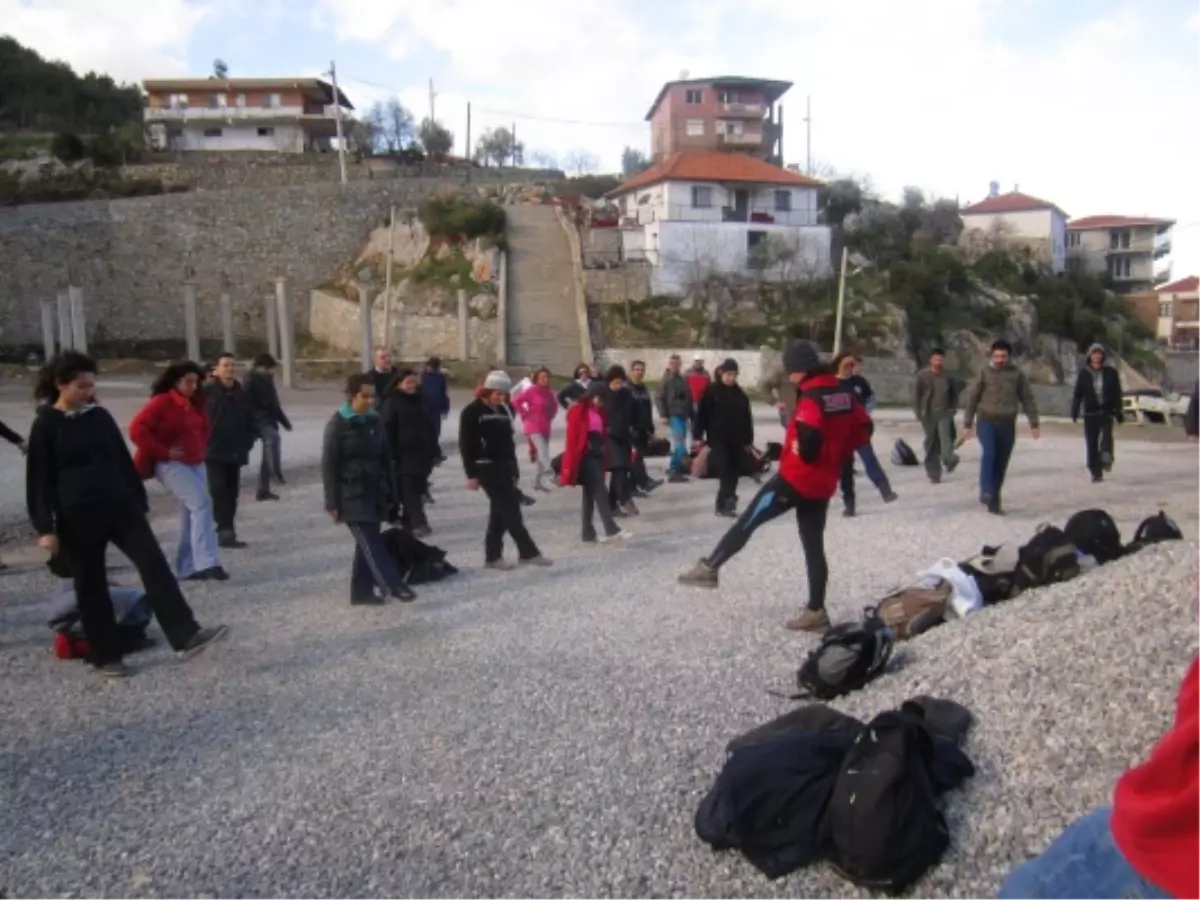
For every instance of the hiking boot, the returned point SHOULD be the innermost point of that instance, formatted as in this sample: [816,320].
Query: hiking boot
[216,573]
[422,531]
[202,640]
[113,670]
[539,562]
[814,620]
[677,478]
[265,495]
[405,594]
[589,537]
[228,540]
[726,511]
[985,499]
[699,575]
[499,565]
[994,506]
[373,600]
[1097,477]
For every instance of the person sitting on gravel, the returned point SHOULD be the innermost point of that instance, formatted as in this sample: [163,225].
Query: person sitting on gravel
[488,449]
[360,491]
[828,426]
[1144,845]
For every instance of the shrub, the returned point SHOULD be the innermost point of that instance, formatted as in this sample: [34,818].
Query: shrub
[455,218]
[67,147]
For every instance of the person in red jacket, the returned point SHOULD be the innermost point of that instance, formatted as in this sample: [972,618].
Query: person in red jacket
[828,425]
[1145,844]
[698,381]
[584,461]
[171,436]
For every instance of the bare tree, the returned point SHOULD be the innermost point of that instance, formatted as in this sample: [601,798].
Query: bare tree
[581,162]
[543,160]
[398,123]
[499,146]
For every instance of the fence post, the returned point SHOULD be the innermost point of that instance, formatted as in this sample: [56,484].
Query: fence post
[365,324]
[227,323]
[464,339]
[287,334]
[48,330]
[66,335]
[78,320]
[191,326]
[272,319]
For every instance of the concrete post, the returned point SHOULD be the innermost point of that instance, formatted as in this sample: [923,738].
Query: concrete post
[78,320]
[66,335]
[227,323]
[502,312]
[365,325]
[287,334]
[191,325]
[272,320]
[47,330]
[464,339]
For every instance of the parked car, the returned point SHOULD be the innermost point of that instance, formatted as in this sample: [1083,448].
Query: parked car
[1152,405]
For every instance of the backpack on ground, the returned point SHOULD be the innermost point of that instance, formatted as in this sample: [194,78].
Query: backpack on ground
[1154,530]
[1095,533]
[658,447]
[883,823]
[1049,557]
[774,451]
[917,608]
[849,656]
[994,570]
[903,455]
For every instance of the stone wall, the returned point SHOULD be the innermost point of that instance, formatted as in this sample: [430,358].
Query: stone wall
[630,281]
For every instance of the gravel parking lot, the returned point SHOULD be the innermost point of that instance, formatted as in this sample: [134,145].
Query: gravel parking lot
[543,733]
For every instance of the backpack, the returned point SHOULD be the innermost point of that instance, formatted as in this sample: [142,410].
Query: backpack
[994,570]
[1095,533]
[1049,557]
[902,454]
[883,825]
[914,609]
[774,451]
[849,656]
[1155,530]
[658,447]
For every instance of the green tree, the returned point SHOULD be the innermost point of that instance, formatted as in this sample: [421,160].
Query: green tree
[435,137]
[633,161]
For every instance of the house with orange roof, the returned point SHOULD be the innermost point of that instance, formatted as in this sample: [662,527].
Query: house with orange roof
[1021,219]
[1179,314]
[1133,251]
[697,213]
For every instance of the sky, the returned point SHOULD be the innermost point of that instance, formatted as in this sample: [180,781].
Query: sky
[1091,104]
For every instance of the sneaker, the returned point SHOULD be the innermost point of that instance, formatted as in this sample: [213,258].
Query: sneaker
[427,499]
[935,479]
[726,512]
[849,512]
[229,541]
[526,500]
[373,600]
[952,464]
[651,484]
[890,496]
[539,562]
[815,620]
[267,495]
[623,535]
[113,670]
[1097,477]
[540,486]
[985,499]
[216,573]
[281,480]
[699,575]
[202,640]
[590,538]
[499,565]
[994,507]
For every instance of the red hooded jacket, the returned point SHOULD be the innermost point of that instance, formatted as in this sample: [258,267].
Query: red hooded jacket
[1156,807]
[169,420]
[577,441]
[698,381]
[829,424]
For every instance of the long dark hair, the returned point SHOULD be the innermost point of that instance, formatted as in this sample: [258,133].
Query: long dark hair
[173,374]
[62,369]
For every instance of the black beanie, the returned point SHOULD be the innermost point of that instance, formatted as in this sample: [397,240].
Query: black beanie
[800,356]
[730,365]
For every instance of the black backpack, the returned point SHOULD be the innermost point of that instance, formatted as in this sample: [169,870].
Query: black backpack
[1049,557]
[883,826]
[902,454]
[1157,528]
[1095,533]
[848,656]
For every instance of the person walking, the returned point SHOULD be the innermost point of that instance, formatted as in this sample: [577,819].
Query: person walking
[1099,396]
[436,392]
[489,457]
[537,406]
[849,369]
[82,493]
[231,435]
[573,391]
[619,407]
[269,417]
[170,434]
[17,441]
[383,372]
[643,428]
[676,409]
[584,462]
[935,400]
[726,425]
[995,397]
[828,426]
[698,381]
[410,443]
[781,394]
[360,489]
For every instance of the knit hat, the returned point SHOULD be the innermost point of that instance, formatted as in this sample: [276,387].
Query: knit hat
[800,356]
[497,381]
[1097,347]
[730,365]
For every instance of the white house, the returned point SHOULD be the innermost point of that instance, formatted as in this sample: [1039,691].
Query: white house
[1037,224]
[696,214]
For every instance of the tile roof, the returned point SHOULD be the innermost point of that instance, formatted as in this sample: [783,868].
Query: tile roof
[714,166]
[230,85]
[1013,201]
[1089,222]
[1188,285]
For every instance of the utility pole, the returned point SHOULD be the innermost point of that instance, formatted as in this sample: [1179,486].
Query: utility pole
[337,118]
[514,144]
[841,303]
[432,95]
[467,148]
[387,283]
[808,136]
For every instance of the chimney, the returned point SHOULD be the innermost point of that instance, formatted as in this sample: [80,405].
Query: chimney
[993,189]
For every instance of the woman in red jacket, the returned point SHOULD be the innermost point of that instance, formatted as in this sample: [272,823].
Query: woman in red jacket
[171,436]
[583,462]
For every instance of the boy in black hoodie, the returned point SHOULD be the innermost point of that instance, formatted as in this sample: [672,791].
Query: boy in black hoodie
[410,440]
[268,419]
[231,420]
[725,423]
[643,427]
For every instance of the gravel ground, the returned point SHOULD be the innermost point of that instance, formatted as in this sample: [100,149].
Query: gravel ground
[544,733]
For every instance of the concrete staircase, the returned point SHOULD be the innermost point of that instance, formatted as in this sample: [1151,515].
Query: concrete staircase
[543,323]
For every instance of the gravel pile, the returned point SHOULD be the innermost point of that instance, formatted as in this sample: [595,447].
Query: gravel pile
[551,732]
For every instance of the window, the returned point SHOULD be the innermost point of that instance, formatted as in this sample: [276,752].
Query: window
[732,128]
[1118,240]
[783,201]
[695,127]
[1119,267]
[266,132]
[177,101]
[702,197]
[212,132]
[274,101]
[694,97]
[216,101]
[1073,239]
[1164,310]
[730,97]
[754,238]
[239,100]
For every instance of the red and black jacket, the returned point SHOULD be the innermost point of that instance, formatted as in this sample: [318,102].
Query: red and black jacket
[829,424]
[577,441]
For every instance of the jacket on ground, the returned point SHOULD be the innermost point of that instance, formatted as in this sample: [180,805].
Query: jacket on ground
[828,426]
[356,467]
[537,406]
[168,421]
[724,417]
[485,440]
[407,431]
[998,394]
[232,429]
[674,396]
[1110,400]
[577,442]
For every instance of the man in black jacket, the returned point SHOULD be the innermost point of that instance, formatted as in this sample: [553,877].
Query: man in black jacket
[383,373]
[489,456]
[618,401]
[268,419]
[643,427]
[231,419]
[1098,394]
[405,423]
[724,422]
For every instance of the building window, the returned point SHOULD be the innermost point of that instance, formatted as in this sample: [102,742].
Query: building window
[702,197]
[783,201]
[239,100]
[212,132]
[1073,239]
[1164,310]
[1118,240]
[694,97]
[730,97]
[733,128]
[177,101]
[274,101]
[266,132]
[695,127]
[216,101]
[1119,267]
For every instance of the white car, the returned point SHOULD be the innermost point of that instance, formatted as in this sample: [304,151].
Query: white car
[1151,405]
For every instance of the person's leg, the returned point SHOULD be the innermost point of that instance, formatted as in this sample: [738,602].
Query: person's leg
[678,425]
[133,537]
[362,584]
[945,433]
[493,539]
[276,455]
[369,540]
[264,467]
[233,478]
[986,432]
[595,478]
[189,485]
[222,516]
[1091,443]
[639,478]
[810,522]
[588,499]
[1006,437]
[542,445]
[932,449]
[846,483]
[730,463]
[412,489]
[83,543]
[1107,450]
[875,472]
[772,500]
[435,432]
[508,505]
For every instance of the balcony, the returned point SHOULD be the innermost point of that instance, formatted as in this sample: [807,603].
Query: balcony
[746,139]
[751,215]
[234,113]
[1162,244]
[752,110]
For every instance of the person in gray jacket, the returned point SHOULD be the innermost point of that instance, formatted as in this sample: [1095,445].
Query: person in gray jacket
[360,491]
[675,408]
[935,400]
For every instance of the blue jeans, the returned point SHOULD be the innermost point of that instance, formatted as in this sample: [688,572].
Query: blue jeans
[1083,861]
[996,439]
[679,431]
[197,534]
[871,465]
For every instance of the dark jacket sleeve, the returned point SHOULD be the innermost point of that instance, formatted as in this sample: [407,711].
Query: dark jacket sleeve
[277,412]
[1118,395]
[468,439]
[1191,421]
[747,420]
[41,478]
[660,399]
[703,414]
[9,435]
[564,397]
[124,460]
[329,465]
[1077,397]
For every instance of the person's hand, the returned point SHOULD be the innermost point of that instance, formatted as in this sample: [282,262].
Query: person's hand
[333,514]
[287,427]
[472,484]
[966,433]
[1036,432]
[49,543]
[175,453]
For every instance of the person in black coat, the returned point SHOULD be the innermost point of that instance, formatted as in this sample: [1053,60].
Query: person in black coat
[358,476]
[269,417]
[436,393]
[725,423]
[575,390]
[233,432]
[618,402]
[1191,420]
[1099,396]
[412,447]
[643,427]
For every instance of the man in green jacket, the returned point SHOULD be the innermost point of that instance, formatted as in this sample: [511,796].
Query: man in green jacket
[935,399]
[675,408]
[995,398]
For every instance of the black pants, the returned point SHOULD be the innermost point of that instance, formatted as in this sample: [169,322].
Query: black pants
[638,473]
[412,495]
[504,515]
[774,499]
[1098,435]
[373,566]
[591,482]
[271,466]
[84,535]
[727,459]
[224,484]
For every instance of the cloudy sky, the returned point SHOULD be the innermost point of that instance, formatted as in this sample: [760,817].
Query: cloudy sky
[1092,104]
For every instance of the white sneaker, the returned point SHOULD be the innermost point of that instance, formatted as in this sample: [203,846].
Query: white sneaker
[622,535]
